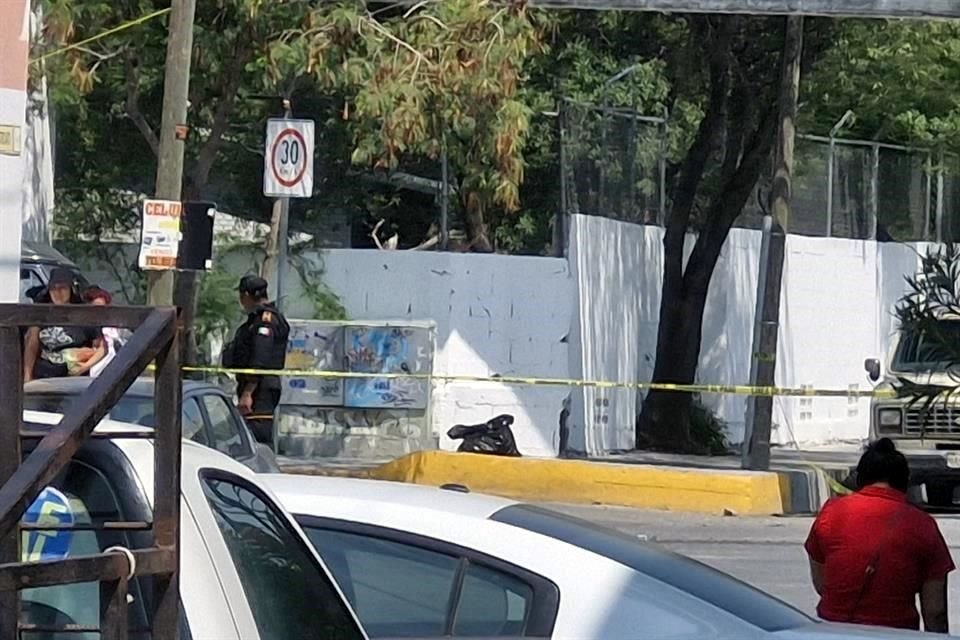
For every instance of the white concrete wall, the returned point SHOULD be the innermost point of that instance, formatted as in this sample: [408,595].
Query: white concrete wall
[14,47]
[495,315]
[596,319]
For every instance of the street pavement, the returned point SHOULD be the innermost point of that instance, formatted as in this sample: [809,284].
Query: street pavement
[766,552]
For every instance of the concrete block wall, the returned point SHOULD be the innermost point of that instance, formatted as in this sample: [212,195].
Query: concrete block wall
[495,315]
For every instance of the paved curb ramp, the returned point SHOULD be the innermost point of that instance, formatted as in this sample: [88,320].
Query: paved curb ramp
[666,488]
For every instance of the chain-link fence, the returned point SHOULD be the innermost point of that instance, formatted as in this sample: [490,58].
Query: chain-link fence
[871,190]
[613,165]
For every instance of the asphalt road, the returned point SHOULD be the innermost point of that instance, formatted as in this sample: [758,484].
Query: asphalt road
[766,552]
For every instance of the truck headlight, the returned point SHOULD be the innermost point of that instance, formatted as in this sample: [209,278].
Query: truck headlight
[890,421]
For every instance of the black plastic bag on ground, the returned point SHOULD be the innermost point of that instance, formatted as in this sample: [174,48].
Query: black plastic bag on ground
[493,437]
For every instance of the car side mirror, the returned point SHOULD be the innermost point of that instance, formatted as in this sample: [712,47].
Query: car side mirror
[872,367]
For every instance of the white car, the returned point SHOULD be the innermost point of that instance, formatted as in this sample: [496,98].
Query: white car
[422,562]
[247,572]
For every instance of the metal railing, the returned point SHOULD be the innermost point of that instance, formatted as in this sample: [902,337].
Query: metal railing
[155,340]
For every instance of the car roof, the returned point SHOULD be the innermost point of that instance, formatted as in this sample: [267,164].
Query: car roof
[140,451]
[339,497]
[36,252]
[142,387]
[194,459]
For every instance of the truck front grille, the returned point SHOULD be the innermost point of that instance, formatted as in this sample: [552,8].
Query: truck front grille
[938,420]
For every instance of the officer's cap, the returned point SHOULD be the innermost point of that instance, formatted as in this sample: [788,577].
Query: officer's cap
[252,284]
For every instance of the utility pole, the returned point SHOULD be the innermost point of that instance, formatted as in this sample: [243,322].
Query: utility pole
[756,446]
[173,133]
[444,199]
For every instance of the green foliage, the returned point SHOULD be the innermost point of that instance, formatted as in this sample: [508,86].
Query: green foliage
[708,432]
[326,304]
[87,227]
[929,312]
[444,75]
[218,307]
[899,79]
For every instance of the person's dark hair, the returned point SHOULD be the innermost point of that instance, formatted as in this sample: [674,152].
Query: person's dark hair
[881,462]
[97,293]
[254,286]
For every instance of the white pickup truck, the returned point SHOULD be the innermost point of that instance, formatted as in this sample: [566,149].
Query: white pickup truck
[928,435]
[247,572]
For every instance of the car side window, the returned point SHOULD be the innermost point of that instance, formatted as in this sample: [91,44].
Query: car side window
[289,593]
[192,422]
[397,590]
[491,604]
[28,280]
[440,594]
[224,429]
[80,495]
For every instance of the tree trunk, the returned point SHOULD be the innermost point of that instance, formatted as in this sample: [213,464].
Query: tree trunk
[736,133]
[665,417]
[477,233]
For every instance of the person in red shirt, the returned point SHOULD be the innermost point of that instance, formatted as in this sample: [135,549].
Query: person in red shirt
[872,553]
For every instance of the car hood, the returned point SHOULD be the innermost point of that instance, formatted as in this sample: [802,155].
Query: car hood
[827,631]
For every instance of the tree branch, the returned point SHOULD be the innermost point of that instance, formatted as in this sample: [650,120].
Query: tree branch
[711,126]
[133,106]
[695,163]
[221,119]
[730,202]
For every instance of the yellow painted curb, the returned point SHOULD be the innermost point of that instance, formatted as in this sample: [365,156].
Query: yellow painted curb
[576,481]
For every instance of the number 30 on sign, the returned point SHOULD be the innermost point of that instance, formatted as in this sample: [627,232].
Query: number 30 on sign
[288,159]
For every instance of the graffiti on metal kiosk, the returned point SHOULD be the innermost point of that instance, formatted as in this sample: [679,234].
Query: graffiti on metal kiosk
[390,350]
[314,346]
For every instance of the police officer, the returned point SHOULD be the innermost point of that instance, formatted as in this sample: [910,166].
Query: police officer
[259,343]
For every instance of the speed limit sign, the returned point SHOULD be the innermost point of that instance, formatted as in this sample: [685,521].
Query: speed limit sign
[288,159]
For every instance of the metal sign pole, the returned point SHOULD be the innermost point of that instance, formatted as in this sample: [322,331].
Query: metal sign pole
[288,173]
[283,240]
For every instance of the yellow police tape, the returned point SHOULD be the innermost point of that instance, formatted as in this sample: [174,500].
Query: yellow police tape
[835,486]
[743,390]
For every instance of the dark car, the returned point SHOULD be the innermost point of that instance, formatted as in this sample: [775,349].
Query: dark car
[209,416]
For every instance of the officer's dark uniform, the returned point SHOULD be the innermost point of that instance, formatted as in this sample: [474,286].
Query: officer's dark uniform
[259,343]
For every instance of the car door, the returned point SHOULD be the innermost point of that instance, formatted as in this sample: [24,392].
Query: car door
[256,456]
[276,585]
[407,586]
[84,496]
[98,487]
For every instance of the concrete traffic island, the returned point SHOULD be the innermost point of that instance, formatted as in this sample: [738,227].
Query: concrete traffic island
[669,488]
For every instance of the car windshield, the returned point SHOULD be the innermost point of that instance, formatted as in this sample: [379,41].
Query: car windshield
[916,352]
[132,409]
[698,580]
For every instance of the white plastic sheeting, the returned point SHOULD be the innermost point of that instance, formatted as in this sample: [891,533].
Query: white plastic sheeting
[836,310]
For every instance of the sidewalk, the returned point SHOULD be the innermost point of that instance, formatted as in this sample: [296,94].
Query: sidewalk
[797,483]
